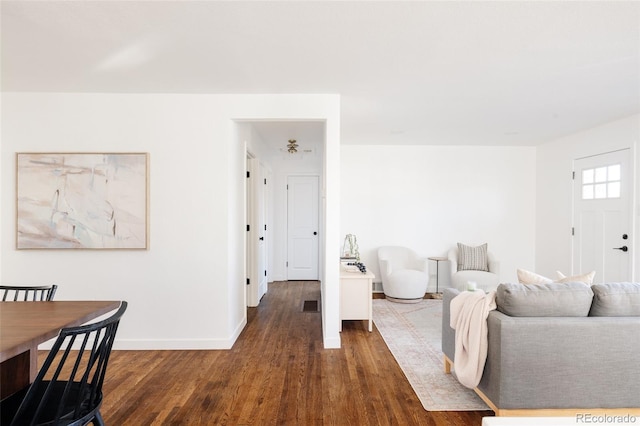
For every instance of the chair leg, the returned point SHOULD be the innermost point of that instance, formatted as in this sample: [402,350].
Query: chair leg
[97,420]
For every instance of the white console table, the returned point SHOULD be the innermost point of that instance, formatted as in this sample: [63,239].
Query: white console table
[356,294]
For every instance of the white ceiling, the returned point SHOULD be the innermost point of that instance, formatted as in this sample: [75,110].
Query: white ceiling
[416,72]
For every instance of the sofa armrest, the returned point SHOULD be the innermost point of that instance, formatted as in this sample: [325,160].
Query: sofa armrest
[448,333]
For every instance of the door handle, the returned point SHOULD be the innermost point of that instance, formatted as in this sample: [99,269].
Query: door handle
[262,239]
[315,233]
[623,248]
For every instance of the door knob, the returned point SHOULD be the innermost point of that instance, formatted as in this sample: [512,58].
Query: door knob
[262,239]
[315,233]
[623,248]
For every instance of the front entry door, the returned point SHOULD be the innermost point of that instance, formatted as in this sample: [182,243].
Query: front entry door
[602,217]
[302,227]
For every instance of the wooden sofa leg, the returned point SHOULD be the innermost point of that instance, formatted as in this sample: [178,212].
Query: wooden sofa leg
[447,365]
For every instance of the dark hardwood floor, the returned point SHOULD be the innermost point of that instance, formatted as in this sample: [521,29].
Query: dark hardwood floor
[277,373]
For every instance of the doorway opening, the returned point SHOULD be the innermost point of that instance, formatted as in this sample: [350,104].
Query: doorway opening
[273,165]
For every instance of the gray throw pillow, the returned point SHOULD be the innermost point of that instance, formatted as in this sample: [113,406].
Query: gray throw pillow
[473,258]
[544,300]
[615,300]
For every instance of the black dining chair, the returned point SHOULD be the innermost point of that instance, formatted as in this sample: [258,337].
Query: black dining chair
[28,293]
[68,388]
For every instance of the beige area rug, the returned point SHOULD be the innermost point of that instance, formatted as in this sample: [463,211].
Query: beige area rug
[413,332]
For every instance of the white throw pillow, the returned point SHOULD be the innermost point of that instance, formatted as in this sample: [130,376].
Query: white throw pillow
[528,277]
[582,278]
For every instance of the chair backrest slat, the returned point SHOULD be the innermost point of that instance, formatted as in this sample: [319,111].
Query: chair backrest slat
[28,293]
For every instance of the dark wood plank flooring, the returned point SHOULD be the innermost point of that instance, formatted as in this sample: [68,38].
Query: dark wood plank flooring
[277,373]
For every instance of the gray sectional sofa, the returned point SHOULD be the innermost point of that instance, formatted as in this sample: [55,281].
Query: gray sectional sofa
[559,349]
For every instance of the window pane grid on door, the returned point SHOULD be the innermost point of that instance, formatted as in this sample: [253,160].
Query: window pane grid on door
[613,189]
[601,182]
[614,172]
[587,176]
[601,174]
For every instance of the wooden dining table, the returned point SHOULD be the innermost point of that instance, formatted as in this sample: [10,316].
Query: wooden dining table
[25,325]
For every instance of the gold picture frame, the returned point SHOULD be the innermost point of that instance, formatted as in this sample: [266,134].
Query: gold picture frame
[82,200]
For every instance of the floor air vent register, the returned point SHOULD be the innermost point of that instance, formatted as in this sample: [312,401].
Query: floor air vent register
[310,306]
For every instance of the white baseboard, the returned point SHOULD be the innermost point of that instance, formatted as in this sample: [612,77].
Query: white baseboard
[162,344]
[180,344]
[331,342]
[175,345]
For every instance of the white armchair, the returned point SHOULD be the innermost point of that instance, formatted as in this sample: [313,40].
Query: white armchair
[485,280]
[404,275]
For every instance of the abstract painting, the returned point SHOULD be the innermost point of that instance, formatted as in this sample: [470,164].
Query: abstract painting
[81,201]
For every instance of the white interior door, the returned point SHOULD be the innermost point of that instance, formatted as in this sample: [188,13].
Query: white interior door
[261,230]
[257,232]
[602,216]
[302,227]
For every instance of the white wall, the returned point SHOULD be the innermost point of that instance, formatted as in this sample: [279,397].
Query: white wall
[188,289]
[429,198]
[554,190]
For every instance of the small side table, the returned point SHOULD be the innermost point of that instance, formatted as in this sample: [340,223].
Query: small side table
[356,294]
[438,259]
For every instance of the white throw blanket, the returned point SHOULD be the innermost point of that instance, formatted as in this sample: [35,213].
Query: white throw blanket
[469,312]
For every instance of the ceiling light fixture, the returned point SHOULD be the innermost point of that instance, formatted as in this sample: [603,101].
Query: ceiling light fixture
[292,146]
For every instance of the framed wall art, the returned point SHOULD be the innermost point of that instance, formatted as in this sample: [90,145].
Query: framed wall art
[82,201]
